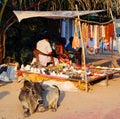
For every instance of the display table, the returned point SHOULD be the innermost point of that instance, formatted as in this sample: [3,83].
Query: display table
[94,75]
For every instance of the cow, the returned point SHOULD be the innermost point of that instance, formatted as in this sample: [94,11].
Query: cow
[36,96]
[30,97]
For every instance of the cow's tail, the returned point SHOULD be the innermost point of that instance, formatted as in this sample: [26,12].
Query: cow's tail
[57,89]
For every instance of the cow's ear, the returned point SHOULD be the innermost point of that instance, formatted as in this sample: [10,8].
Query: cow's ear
[27,84]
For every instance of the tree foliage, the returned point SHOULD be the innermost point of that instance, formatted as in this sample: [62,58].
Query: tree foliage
[23,36]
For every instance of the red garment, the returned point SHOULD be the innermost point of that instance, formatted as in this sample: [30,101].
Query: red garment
[61,49]
[19,73]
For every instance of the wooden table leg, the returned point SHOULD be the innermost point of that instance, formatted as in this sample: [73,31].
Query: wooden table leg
[107,78]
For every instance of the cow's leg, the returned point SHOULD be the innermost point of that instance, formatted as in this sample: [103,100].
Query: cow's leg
[25,109]
[54,105]
[32,105]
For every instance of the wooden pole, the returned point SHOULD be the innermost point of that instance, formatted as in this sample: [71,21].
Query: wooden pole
[114,28]
[83,53]
[107,78]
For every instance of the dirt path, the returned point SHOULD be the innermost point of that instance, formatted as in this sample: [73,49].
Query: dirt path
[103,102]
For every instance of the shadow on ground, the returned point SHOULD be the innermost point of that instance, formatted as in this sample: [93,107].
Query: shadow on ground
[3,83]
[3,94]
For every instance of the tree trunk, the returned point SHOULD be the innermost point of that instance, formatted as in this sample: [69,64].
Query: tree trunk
[1,44]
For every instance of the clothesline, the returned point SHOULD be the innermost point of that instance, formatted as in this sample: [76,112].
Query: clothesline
[94,22]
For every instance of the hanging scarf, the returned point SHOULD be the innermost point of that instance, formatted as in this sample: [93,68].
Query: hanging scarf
[76,40]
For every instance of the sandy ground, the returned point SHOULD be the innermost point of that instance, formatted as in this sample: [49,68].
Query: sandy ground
[102,102]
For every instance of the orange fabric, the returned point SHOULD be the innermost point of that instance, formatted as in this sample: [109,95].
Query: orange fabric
[76,42]
[61,49]
[109,32]
[19,73]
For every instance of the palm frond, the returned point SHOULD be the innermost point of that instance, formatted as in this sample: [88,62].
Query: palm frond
[2,10]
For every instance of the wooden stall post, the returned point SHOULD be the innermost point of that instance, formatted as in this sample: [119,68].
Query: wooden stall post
[83,53]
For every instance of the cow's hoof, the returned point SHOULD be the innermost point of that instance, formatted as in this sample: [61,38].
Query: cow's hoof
[54,110]
[41,109]
[26,114]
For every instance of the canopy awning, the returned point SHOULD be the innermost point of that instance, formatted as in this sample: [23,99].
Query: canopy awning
[52,14]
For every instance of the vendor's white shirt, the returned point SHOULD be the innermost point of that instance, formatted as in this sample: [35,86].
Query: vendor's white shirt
[44,47]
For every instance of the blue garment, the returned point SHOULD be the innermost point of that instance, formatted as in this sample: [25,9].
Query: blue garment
[69,48]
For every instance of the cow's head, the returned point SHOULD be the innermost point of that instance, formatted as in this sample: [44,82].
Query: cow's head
[34,89]
[30,96]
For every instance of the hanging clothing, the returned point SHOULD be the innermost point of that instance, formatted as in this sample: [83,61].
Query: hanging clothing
[96,36]
[76,40]
[103,31]
[92,31]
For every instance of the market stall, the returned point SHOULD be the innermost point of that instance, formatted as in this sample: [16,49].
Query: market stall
[65,71]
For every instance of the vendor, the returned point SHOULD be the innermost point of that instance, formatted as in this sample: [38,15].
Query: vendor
[74,54]
[60,50]
[43,52]
[69,45]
